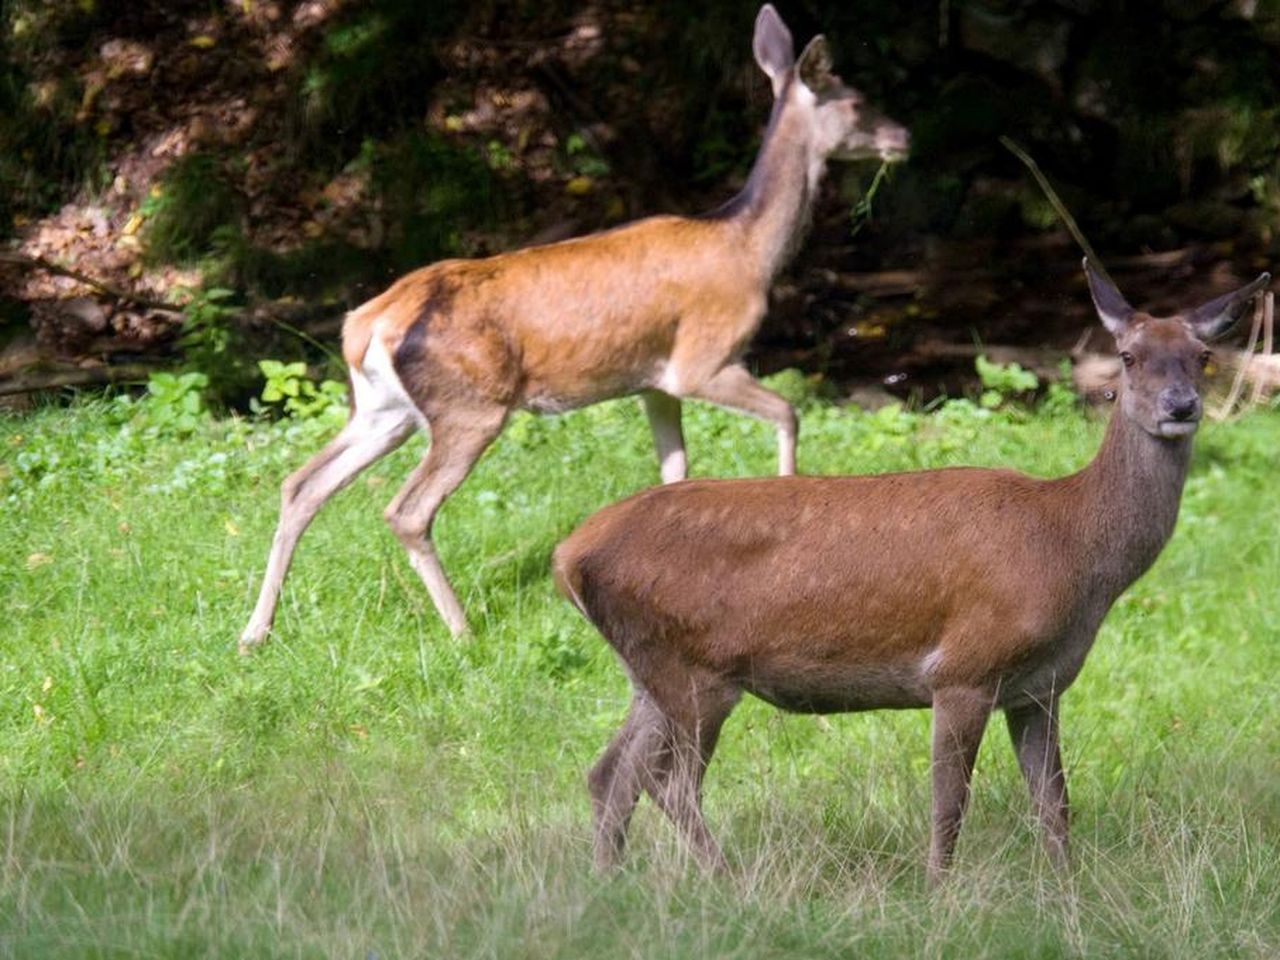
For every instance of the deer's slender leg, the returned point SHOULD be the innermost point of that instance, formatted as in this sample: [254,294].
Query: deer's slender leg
[458,438]
[733,387]
[663,411]
[959,719]
[366,438]
[679,746]
[614,782]
[1034,731]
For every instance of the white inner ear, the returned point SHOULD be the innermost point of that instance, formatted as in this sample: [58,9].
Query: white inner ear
[1209,330]
[1115,325]
[772,47]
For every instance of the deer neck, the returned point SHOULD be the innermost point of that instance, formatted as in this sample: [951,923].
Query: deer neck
[774,208]
[1133,490]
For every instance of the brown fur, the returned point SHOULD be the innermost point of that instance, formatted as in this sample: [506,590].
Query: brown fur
[961,589]
[730,578]
[571,323]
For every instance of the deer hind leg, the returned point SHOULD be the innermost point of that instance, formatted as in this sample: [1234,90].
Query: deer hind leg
[614,783]
[367,437]
[959,719]
[672,751]
[663,411]
[458,438]
[734,388]
[1034,731]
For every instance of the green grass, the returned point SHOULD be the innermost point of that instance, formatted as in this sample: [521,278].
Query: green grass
[366,786]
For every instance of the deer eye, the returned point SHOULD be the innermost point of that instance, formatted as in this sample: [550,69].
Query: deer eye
[1126,358]
[1206,358]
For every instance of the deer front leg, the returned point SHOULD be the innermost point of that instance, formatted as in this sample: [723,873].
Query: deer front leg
[733,387]
[663,411]
[1034,731]
[959,719]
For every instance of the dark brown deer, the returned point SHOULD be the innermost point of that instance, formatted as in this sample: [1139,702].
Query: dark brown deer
[662,307]
[964,590]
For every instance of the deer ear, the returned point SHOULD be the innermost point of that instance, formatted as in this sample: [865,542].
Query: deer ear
[1113,310]
[1217,317]
[773,47]
[814,65]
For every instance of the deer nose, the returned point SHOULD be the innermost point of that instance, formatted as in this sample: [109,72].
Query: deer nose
[1181,405]
[892,141]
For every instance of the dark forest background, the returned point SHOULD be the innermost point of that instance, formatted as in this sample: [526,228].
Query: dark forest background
[266,164]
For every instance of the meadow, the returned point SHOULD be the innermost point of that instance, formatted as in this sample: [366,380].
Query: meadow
[365,786]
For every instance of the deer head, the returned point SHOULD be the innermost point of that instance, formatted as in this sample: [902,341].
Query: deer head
[1164,358]
[844,126]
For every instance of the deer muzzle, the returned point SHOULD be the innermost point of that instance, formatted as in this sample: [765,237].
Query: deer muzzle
[893,142]
[1180,410]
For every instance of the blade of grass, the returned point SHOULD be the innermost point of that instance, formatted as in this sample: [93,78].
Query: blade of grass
[1059,207]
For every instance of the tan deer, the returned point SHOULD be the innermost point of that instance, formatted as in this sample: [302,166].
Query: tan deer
[663,307]
[964,590]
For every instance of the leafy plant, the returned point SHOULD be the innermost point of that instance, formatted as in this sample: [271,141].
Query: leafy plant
[287,388]
[1002,381]
[175,401]
[499,156]
[208,341]
[1060,397]
[206,328]
[582,159]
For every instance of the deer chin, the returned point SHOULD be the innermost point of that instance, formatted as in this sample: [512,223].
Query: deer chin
[1173,429]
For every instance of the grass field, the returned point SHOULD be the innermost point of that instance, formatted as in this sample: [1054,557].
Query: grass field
[367,787]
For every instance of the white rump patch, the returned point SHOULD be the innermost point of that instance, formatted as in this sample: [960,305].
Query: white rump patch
[377,387]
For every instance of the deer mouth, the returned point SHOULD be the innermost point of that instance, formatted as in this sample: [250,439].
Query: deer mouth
[893,143]
[1177,428]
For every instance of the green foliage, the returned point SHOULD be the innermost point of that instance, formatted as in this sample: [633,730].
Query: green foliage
[500,158]
[188,208]
[367,77]
[582,159]
[175,401]
[210,341]
[206,326]
[1002,381]
[434,190]
[1060,397]
[861,212]
[561,654]
[800,389]
[44,151]
[323,269]
[288,389]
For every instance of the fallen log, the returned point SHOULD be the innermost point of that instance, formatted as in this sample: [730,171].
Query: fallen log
[37,381]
